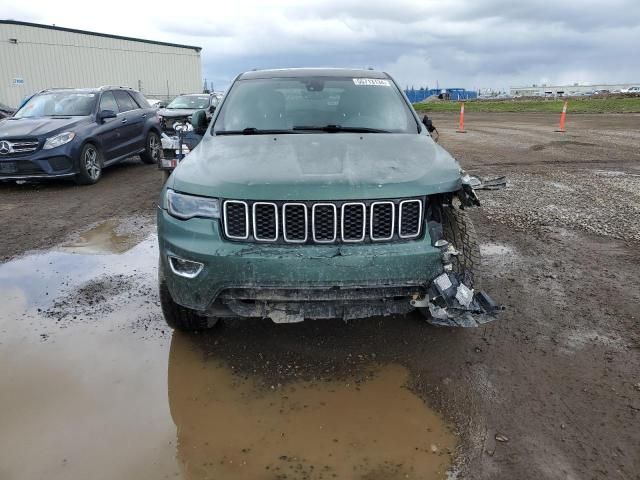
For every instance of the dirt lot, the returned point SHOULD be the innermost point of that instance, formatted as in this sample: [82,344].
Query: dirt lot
[95,386]
[41,215]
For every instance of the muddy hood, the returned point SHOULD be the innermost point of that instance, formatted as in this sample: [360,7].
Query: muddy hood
[317,167]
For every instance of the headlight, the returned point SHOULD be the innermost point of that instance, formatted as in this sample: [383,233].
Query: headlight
[57,140]
[188,206]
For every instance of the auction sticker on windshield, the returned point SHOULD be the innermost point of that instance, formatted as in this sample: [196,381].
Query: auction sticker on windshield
[377,82]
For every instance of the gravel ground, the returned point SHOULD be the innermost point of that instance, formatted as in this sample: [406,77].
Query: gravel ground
[595,201]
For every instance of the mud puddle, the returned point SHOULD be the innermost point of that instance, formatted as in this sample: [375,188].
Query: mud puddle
[35,284]
[106,237]
[85,396]
[230,428]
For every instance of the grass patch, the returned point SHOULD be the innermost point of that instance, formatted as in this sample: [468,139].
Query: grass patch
[576,105]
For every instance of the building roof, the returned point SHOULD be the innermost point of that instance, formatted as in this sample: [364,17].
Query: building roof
[313,72]
[97,34]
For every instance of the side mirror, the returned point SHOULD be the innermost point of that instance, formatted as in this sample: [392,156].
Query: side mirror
[199,120]
[104,114]
[212,108]
[426,121]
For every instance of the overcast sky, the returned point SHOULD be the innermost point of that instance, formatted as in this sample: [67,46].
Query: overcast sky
[479,43]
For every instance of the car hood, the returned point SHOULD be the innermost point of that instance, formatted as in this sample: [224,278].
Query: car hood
[178,112]
[37,127]
[338,166]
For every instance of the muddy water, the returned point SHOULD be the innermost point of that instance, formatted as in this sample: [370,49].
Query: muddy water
[103,238]
[228,428]
[93,385]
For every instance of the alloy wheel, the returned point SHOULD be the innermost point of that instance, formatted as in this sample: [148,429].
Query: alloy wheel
[92,163]
[154,147]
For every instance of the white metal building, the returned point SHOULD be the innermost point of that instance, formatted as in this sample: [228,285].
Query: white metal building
[542,90]
[34,57]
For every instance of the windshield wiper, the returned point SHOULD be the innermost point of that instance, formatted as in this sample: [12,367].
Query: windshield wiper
[253,131]
[339,128]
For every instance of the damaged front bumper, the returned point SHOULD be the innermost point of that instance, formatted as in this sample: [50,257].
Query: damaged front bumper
[452,304]
[290,285]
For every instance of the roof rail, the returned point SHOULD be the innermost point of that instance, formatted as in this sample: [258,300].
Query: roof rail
[57,88]
[105,87]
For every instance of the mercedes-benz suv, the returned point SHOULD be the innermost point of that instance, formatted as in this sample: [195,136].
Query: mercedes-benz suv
[75,133]
[318,193]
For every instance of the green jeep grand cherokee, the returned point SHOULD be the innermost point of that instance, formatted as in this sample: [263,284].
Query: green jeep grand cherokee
[318,193]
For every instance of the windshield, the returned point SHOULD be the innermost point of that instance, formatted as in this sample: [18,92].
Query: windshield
[190,102]
[315,104]
[51,104]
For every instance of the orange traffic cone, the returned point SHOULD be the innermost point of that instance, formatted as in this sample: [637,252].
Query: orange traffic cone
[563,117]
[461,125]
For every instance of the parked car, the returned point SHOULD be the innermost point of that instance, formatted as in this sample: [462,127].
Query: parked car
[75,133]
[177,145]
[318,193]
[182,107]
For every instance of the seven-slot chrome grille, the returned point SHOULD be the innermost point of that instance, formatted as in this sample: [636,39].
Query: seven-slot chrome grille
[323,222]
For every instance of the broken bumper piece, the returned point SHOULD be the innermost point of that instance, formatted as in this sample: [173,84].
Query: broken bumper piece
[453,304]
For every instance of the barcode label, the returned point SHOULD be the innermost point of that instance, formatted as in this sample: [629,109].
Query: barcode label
[375,82]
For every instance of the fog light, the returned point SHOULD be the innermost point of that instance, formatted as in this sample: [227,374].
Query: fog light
[185,268]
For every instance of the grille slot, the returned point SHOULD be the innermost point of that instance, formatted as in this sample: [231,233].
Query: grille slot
[382,220]
[409,218]
[295,223]
[353,224]
[265,221]
[236,219]
[323,222]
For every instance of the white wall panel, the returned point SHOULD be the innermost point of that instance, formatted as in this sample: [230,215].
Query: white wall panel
[47,58]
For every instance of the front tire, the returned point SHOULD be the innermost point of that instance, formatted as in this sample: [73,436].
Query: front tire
[177,316]
[152,149]
[89,165]
[459,231]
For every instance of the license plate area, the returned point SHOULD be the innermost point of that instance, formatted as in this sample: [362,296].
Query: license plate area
[8,167]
